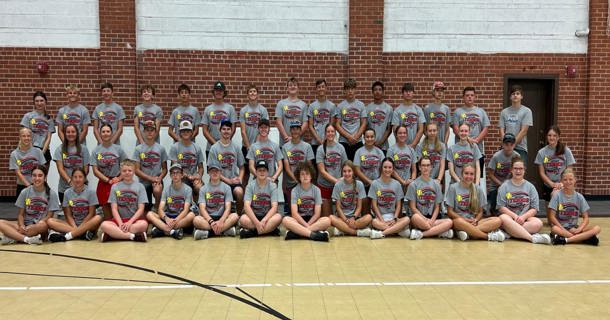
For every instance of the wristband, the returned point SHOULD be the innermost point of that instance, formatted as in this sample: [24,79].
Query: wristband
[210,221]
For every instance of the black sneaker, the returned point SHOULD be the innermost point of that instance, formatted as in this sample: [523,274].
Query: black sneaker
[247,233]
[319,236]
[89,235]
[156,232]
[594,240]
[140,237]
[57,237]
[291,235]
[178,234]
[275,232]
[557,239]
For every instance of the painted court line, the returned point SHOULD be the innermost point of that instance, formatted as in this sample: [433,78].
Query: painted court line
[319,284]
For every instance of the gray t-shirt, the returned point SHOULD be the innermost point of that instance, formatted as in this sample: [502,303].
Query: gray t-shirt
[261,198]
[37,204]
[388,195]
[127,196]
[408,116]
[426,195]
[150,158]
[176,198]
[79,203]
[147,113]
[369,161]
[434,156]
[110,114]
[350,115]
[251,116]
[108,160]
[458,197]
[460,155]
[321,114]
[181,113]
[347,196]
[268,151]
[306,200]
[214,196]
[500,164]
[379,118]
[213,115]
[189,157]
[289,112]
[332,159]
[511,119]
[295,153]
[477,120]
[568,208]
[403,158]
[70,160]
[40,126]
[517,199]
[228,157]
[439,114]
[78,116]
[26,162]
[553,164]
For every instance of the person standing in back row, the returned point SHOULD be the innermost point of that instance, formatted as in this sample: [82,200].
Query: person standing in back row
[379,115]
[249,117]
[108,112]
[476,118]
[216,113]
[320,113]
[438,112]
[290,110]
[351,119]
[410,116]
[517,119]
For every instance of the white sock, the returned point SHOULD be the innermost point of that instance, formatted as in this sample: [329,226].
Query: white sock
[68,236]
[26,239]
[132,236]
[171,232]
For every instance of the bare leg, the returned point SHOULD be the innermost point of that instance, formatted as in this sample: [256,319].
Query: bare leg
[62,226]
[473,232]
[586,234]
[113,230]
[11,230]
[341,225]
[238,195]
[153,218]
[400,225]
[187,221]
[513,228]
[293,225]
[437,228]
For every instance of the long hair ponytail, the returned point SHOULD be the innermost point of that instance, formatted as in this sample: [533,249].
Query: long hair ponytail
[350,164]
[474,206]
[561,147]
[437,143]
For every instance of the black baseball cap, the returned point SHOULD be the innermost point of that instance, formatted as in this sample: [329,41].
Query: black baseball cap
[220,86]
[261,164]
[509,137]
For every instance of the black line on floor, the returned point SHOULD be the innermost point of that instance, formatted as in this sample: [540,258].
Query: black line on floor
[263,307]
[88,277]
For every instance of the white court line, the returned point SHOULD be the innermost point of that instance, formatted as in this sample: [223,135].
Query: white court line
[323,284]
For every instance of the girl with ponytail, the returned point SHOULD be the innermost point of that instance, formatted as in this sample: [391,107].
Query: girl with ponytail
[465,201]
[41,124]
[328,160]
[462,153]
[552,160]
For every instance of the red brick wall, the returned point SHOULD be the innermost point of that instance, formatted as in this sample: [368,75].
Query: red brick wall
[581,98]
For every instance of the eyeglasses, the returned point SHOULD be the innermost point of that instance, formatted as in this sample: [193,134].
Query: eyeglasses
[518,169]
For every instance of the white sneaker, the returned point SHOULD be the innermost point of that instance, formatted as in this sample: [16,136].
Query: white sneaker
[4,240]
[416,234]
[337,232]
[447,234]
[506,235]
[200,234]
[230,232]
[35,240]
[495,236]
[376,234]
[541,238]
[406,232]
[366,232]
[462,235]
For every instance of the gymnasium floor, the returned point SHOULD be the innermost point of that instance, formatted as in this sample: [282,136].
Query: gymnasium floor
[267,278]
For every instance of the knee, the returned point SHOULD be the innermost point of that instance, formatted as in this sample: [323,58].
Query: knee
[536,223]
[597,229]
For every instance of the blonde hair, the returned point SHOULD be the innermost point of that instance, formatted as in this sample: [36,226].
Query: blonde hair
[437,143]
[350,164]
[72,87]
[21,131]
[128,163]
[474,206]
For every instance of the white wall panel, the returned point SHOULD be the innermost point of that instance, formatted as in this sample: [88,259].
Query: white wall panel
[41,23]
[291,25]
[485,26]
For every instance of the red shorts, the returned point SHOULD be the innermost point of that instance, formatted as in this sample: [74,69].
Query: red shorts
[122,220]
[327,193]
[103,192]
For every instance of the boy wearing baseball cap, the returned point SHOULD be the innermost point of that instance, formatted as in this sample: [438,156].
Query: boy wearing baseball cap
[215,113]
[437,111]
[498,169]
[186,153]
[151,164]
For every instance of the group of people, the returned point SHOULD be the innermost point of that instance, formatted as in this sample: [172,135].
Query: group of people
[359,184]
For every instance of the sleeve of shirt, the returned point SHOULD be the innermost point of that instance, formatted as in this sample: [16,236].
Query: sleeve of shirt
[57,154]
[501,121]
[439,193]
[373,190]
[86,118]
[20,203]
[136,154]
[250,154]
[197,117]
[249,192]
[534,199]
[399,193]
[584,206]
[40,156]
[163,154]
[539,157]
[420,115]
[53,202]
[357,158]
[484,119]
[309,152]
[554,201]
[450,196]
[92,196]
[293,196]
[240,157]
[122,154]
[310,111]
[112,196]
[142,197]
[188,194]
[279,111]
[477,152]
[569,157]
[200,155]
[93,158]
[501,198]
[228,193]
[173,153]
[410,196]
[120,112]
[172,118]
[242,115]
[317,195]
[274,193]
[233,115]
[277,152]
[482,197]
[264,113]
[202,192]
[361,190]
[25,121]
[449,115]
[204,117]
[320,154]
[159,114]
[336,192]
[528,119]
